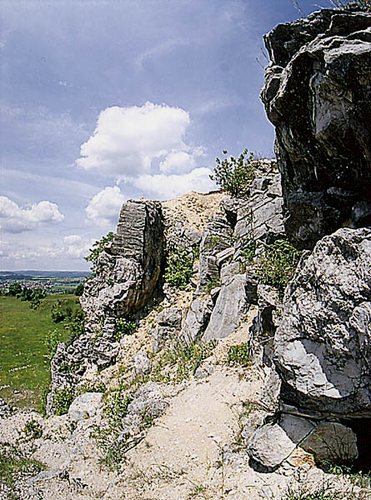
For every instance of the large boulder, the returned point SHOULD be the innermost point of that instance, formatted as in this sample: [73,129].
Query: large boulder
[128,270]
[322,345]
[318,95]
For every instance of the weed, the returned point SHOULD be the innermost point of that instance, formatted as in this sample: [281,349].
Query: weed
[248,252]
[124,327]
[360,479]
[52,339]
[277,266]
[13,464]
[239,355]
[179,269]
[32,430]
[62,400]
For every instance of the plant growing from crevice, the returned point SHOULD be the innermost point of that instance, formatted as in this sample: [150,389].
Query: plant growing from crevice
[179,268]
[235,174]
[62,400]
[239,355]
[97,249]
[124,327]
[278,263]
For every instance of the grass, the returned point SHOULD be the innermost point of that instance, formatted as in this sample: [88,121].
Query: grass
[239,355]
[24,360]
[13,464]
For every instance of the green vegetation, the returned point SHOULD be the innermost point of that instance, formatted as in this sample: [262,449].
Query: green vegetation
[239,355]
[360,479]
[277,266]
[179,269]
[98,248]
[234,175]
[32,430]
[13,463]
[63,399]
[124,327]
[28,338]
[248,252]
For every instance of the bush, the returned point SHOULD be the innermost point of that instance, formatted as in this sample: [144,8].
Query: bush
[179,269]
[278,264]
[54,337]
[62,400]
[239,355]
[234,175]
[98,248]
[124,327]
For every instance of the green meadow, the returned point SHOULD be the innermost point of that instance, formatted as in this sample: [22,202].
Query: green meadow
[24,358]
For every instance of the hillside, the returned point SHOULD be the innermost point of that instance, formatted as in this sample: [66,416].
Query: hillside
[226,344]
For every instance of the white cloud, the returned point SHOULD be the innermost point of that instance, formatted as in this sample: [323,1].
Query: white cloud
[76,247]
[15,219]
[127,140]
[181,162]
[170,186]
[104,208]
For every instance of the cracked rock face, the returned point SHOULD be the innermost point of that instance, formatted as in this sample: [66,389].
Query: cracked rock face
[322,345]
[128,270]
[318,96]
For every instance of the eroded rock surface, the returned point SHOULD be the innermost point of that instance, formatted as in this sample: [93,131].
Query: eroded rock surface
[318,96]
[323,343]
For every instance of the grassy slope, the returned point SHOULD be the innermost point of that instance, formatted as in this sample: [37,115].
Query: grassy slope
[24,364]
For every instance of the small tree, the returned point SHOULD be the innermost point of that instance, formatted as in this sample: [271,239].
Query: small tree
[234,175]
[98,248]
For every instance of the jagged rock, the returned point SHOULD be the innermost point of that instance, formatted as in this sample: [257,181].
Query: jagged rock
[273,443]
[216,238]
[197,318]
[263,327]
[317,94]
[322,345]
[84,406]
[168,325]
[332,442]
[142,363]
[230,304]
[127,272]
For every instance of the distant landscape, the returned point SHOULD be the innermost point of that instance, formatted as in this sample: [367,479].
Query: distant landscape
[31,330]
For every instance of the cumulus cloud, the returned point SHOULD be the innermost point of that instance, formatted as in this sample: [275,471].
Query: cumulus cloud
[15,219]
[169,186]
[76,247]
[181,162]
[104,207]
[128,139]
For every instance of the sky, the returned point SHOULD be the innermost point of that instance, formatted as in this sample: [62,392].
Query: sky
[106,100]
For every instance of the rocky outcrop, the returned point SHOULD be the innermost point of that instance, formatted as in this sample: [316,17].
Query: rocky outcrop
[128,270]
[323,343]
[317,94]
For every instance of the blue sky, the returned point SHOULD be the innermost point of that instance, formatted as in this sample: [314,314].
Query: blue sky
[110,99]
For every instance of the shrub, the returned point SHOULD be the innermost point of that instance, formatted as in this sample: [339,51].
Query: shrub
[63,399]
[98,248]
[32,429]
[54,337]
[179,269]
[277,266]
[239,355]
[234,175]
[124,327]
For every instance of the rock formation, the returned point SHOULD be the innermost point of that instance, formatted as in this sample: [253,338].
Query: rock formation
[318,96]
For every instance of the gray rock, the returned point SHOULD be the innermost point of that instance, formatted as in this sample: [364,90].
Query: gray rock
[168,325]
[142,364]
[197,318]
[317,94]
[217,238]
[332,442]
[322,345]
[230,305]
[84,406]
[272,444]
[128,271]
